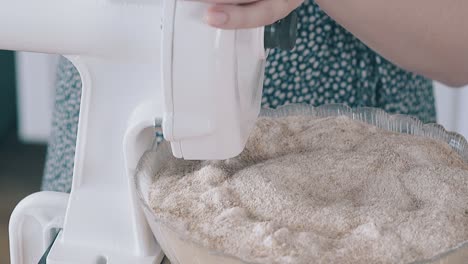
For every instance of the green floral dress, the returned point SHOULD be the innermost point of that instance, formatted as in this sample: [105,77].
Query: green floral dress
[328,65]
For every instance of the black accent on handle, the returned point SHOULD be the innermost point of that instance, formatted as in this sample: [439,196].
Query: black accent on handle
[43,259]
[282,34]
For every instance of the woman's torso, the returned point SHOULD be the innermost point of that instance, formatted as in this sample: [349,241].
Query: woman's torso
[329,65]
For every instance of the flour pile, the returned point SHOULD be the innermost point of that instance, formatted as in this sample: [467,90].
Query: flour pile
[321,190]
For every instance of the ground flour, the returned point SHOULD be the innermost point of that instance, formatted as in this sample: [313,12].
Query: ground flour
[331,190]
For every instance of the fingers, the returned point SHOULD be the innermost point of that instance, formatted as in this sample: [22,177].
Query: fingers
[230,2]
[249,15]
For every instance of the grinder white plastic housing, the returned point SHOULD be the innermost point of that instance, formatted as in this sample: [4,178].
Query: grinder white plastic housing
[139,61]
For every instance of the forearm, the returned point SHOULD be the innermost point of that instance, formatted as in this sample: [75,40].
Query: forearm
[429,37]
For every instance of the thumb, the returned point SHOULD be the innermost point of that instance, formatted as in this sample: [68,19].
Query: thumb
[256,14]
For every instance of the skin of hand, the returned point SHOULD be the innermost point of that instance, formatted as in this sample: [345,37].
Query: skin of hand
[237,14]
[427,37]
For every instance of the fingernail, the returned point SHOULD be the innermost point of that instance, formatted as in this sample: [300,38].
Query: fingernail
[216,18]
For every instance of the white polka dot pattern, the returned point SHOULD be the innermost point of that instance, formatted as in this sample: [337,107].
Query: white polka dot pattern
[329,65]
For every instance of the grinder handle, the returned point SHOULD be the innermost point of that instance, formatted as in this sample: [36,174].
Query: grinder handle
[283,33]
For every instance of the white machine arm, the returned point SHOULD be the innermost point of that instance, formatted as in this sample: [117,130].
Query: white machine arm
[107,28]
[116,47]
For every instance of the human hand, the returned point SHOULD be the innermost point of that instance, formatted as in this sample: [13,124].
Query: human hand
[237,14]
